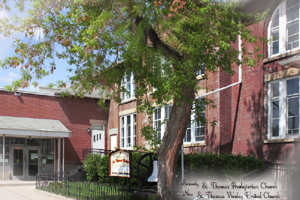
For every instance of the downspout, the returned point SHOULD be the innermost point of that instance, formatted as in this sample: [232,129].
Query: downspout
[233,84]
[3,157]
[218,90]
[240,73]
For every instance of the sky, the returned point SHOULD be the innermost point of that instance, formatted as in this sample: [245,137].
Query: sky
[9,75]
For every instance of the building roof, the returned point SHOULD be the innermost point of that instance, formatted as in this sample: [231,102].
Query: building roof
[21,126]
[56,92]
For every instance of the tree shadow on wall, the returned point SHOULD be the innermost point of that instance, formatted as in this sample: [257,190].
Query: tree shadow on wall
[271,152]
[210,145]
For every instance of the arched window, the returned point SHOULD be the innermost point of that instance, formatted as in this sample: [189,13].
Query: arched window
[283,28]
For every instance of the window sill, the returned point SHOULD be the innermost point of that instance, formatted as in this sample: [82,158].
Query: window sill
[287,140]
[200,77]
[128,100]
[274,58]
[127,148]
[200,144]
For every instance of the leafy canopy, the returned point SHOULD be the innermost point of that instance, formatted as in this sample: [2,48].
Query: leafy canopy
[162,42]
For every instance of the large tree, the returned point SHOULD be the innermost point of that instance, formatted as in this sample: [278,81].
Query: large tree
[162,42]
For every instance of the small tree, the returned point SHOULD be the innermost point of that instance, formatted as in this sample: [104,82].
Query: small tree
[162,42]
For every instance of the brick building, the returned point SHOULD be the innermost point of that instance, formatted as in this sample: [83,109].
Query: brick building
[44,132]
[257,108]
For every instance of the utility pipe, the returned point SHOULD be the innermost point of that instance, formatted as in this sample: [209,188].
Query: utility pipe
[217,90]
[59,156]
[3,157]
[182,164]
[63,158]
[240,73]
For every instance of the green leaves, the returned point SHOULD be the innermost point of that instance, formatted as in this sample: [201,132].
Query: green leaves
[161,42]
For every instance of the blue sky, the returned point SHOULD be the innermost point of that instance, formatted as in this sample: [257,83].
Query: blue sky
[9,75]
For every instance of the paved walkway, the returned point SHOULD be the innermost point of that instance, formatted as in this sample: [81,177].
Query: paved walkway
[24,190]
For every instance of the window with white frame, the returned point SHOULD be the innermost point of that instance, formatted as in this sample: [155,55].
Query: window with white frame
[195,131]
[128,131]
[160,119]
[283,28]
[130,86]
[283,112]
[200,70]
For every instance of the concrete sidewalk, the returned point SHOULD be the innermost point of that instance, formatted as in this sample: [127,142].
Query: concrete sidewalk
[24,190]
[15,183]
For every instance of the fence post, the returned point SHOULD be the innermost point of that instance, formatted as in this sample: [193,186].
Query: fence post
[128,184]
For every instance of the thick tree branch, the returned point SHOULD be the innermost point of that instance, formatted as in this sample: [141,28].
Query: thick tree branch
[158,44]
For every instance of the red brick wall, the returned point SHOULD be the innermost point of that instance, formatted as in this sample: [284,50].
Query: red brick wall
[74,113]
[245,118]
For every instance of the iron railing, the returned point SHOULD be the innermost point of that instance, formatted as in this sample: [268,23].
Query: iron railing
[102,152]
[286,177]
[61,184]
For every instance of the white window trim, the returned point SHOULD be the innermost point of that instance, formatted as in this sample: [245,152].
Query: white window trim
[193,131]
[132,88]
[132,123]
[282,30]
[282,110]
[163,119]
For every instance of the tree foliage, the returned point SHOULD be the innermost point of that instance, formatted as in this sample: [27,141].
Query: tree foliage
[103,39]
[162,42]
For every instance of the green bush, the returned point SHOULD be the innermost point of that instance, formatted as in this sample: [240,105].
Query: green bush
[206,166]
[96,168]
[224,166]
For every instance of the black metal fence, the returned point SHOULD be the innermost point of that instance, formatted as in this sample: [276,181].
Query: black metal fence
[286,177]
[102,152]
[60,183]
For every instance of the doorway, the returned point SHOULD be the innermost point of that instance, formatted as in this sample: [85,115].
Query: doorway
[25,162]
[98,137]
[113,142]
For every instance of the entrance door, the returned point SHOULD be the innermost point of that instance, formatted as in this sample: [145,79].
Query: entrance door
[113,142]
[33,163]
[98,137]
[25,162]
[18,163]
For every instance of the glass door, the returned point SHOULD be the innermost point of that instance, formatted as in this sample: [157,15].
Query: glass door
[33,163]
[18,162]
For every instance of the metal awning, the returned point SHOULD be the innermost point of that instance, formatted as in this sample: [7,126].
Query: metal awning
[22,126]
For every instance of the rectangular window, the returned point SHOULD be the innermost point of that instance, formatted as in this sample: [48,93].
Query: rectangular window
[134,129]
[292,102]
[122,132]
[284,108]
[130,86]
[188,133]
[200,70]
[200,130]
[6,159]
[292,27]
[160,119]
[195,131]
[47,151]
[157,121]
[128,131]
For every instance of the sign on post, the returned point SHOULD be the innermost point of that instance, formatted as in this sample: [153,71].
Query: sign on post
[120,163]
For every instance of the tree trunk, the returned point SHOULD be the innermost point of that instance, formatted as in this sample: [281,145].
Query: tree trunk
[171,143]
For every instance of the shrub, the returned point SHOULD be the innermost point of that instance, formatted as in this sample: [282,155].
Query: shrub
[224,166]
[206,166]
[96,168]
